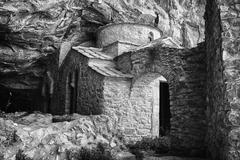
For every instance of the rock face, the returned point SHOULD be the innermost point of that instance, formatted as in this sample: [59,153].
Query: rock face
[38,137]
[222,37]
[215,84]
[33,29]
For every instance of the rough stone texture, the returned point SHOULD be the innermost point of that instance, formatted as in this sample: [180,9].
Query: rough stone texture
[130,105]
[39,138]
[222,37]
[88,93]
[29,96]
[142,102]
[116,92]
[34,28]
[22,68]
[185,71]
[92,95]
[215,83]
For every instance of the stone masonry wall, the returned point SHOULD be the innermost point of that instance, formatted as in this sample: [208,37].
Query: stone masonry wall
[144,109]
[116,94]
[222,39]
[185,72]
[89,88]
[90,94]
[131,106]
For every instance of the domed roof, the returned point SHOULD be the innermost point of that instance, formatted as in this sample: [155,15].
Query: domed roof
[134,33]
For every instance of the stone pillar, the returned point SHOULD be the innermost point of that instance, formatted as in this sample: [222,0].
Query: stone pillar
[155,108]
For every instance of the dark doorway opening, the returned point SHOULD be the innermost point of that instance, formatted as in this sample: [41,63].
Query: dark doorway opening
[165,114]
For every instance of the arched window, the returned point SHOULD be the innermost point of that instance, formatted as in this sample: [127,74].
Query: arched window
[72,92]
[69,93]
[150,100]
[150,36]
[75,98]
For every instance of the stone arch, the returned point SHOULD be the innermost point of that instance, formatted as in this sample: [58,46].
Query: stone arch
[171,76]
[175,79]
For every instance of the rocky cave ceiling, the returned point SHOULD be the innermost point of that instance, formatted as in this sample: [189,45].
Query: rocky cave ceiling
[32,29]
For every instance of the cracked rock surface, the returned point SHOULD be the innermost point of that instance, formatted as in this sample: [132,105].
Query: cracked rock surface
[38,137]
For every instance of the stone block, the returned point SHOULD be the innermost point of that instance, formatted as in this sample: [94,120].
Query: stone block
[235,23]
[234,117]
[129,131]
[142,132]
[233,138]
[125,156]
[228,15]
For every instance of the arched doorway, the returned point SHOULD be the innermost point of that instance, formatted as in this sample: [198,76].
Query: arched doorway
[150,105]
[164,111]
[75,91]
[161,107]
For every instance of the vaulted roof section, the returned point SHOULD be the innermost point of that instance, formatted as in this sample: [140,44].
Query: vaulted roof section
[100,62]
[90,52]
[109,71]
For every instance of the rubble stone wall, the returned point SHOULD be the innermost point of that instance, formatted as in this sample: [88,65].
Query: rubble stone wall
[131,106]
[185,71]
[90,94]
[222,43]
[116,94]
[144,100]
